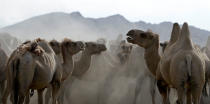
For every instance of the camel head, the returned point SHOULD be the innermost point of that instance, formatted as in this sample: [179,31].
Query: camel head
[94,48]
[163,45]
[56,46]
[125,51]
[72,47]
[143,39]
[125,47]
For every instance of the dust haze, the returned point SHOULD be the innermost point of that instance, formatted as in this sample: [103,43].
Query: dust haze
[107,81]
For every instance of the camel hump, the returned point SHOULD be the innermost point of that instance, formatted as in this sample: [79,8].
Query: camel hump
[185,30]
[29,46]
[175,33]
[184,38]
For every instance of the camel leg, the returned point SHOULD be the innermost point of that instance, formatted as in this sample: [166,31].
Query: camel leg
[205,93]
[48,95]
[196,94]
[68,83]
[40,96]
[55,90]
[189,97]
[21,99]
[163,91]
[138,88]
[181,94]
[2,87]
[6,93]
[27,99]
[61,95]
[152,89]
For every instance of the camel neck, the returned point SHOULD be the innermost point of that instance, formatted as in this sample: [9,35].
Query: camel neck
[152,58]
[67,64]
[82,65]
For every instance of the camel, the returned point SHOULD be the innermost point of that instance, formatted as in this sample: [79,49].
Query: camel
[3,60]
[206,51]
[44,65]
[207,65]
[152,67]
[30,55]
[204,55]
[80,67]
[125,51]
[187,78]
[122,54]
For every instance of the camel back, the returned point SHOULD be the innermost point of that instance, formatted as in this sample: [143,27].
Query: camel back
[29,46]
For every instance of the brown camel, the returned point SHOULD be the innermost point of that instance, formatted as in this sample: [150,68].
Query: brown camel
[148,51]
[206,51]
[187,78]
[3,60]
[45,68]
[67,65]
[80,67]
[151,45]
[58,49]
[36,62]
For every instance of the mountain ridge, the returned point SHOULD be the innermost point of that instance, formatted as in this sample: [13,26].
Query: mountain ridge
[57,25]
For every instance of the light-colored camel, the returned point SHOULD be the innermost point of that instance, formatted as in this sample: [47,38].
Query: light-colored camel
[3,60]
[80,67]
[186,60]
[124,52]
[189,77]
[207,65]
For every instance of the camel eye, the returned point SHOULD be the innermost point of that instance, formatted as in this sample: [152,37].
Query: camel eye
[143,35]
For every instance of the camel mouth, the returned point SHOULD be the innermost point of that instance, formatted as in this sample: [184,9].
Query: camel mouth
[130,39]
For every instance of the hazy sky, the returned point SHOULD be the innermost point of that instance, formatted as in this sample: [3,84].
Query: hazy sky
[195,12]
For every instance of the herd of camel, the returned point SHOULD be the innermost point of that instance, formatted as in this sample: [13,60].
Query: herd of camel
[39,65]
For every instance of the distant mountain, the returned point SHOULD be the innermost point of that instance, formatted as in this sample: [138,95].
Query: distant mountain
[59,25]
[8,43]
